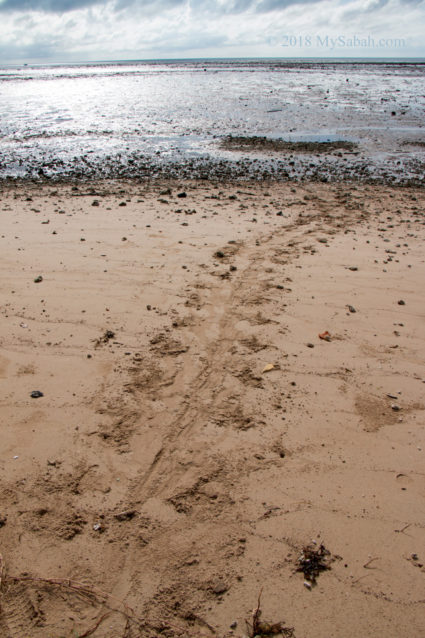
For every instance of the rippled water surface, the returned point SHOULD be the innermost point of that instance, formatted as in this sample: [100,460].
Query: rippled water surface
[97,119]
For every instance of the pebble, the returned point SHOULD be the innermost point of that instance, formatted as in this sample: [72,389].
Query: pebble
[219,588]
[36,394]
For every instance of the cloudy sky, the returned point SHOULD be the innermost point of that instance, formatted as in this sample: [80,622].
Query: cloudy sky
[89,30]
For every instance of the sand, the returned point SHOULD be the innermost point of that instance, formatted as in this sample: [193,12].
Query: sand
[195,433]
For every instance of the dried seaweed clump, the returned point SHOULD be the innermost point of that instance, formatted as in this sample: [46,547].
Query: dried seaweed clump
[312,561]
[258,628]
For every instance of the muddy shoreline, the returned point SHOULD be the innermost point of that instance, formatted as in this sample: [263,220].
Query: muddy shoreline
[297,167]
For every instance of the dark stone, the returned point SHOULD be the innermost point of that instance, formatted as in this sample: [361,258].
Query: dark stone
[36,394]
[126,516]
[219,588]
[181,195]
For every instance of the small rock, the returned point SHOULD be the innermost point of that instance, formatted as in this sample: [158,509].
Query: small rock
[310,345]
[181,195]
[125,516]
[38,279]
[220,587]
[401,302]
[36,394]
[351,308]
[395,407]
[353,268]
[95,202]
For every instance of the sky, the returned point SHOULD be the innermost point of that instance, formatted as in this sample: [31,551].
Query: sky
[43,31]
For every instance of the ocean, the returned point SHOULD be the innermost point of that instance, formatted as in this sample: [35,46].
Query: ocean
[170,118]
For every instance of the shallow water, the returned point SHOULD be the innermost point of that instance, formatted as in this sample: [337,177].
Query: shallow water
[108,119]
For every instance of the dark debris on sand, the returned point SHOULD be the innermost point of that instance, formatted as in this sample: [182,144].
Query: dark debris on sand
[313,561]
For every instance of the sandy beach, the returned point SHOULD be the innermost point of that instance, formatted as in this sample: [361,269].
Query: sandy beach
[203,386]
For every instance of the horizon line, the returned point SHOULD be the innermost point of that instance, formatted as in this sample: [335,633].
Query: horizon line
[354,59]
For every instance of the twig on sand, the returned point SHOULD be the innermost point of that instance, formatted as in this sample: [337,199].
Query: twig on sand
[367,565]
[91,631]
[95,595]
[402,530]
[1,569]
[258,627]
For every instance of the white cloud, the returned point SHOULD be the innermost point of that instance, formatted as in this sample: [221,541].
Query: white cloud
[124,29]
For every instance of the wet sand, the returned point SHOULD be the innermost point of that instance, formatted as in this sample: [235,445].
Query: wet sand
[195,433]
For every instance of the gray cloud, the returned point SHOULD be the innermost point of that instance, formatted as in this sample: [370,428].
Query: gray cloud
[152,7]
[148,7]
[48,6]
[241,6]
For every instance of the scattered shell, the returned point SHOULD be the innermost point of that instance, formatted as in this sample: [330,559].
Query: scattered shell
[268,367]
